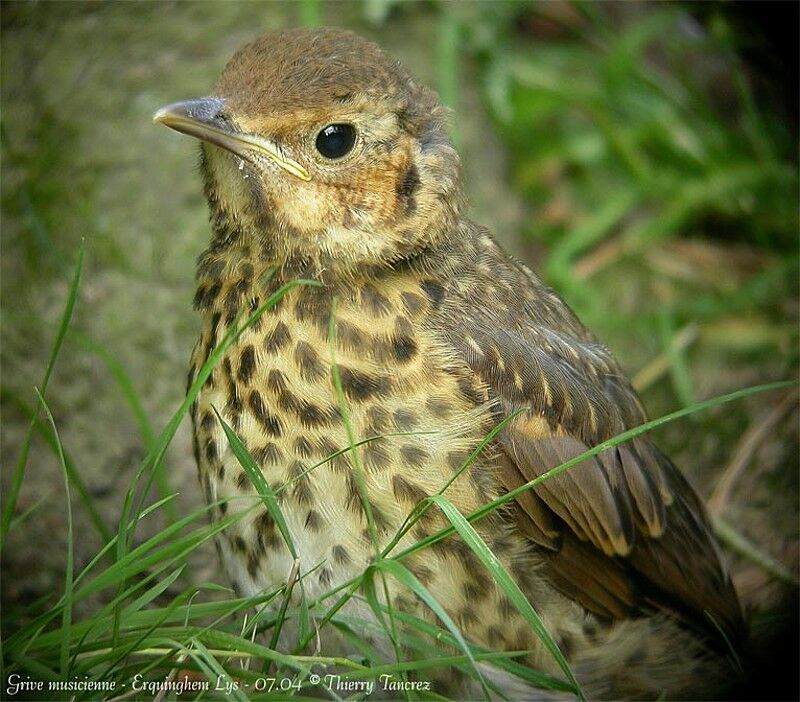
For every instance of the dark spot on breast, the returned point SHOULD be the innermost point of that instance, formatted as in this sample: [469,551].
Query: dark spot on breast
[211,450]
[353,501]
[303,448]
[565,643]
[349,337]
[434,291]
[265,522]
[501,544]
[234,406]
[272,541]
[376,454]
[495,637]
[422,532]
[361,386]
[259,321]
[205,481]
[456,459]
[407,185]
[377,420]
[413,303]
[438,407]
[404,348]
[413,455]
[221,473]
[270,423]
[228,369]
[302,491]
[242,480]
[289,402]
[340,555]
[424,574]
[253,563]
[467,617]
[375,302]
[247,270]
[233,298]
[207,421]
[215,319]
[277,338]
[239,544]
[404,489]
[506,606]
[209,266]
[404,419]
[313,520]
[312,415]
[268,455]
[199,296]
[590,630]
[469,391]
[247,364]
[408,236]
[276,381]
[314,305]
[335,457]
[308,361]
[223,508]
[403,604]
[206,296]
[472,592]
[453,546]
[381,521]
[325,577]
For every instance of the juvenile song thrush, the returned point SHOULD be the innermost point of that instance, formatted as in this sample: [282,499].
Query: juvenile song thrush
[322,159]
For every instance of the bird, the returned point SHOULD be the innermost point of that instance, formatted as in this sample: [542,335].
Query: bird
[376,386]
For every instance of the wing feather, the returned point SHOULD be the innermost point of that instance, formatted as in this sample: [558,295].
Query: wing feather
[623,533]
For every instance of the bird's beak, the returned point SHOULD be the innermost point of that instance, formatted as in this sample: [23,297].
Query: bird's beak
[202,118]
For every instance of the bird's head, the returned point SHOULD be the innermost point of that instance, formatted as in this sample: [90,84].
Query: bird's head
[316,144]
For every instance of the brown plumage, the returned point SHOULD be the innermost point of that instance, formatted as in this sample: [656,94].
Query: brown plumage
[441,333]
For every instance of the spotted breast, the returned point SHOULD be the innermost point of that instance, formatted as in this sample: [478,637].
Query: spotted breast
[417,409]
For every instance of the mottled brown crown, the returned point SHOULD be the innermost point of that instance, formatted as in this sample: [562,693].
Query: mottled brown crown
[304,69]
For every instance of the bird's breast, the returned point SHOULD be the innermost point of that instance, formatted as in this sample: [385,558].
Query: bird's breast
[347,466]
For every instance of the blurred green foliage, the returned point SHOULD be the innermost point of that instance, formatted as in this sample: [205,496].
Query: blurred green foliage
[662,189]
[618,121]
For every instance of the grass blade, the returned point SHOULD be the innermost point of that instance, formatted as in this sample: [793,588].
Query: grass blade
[19,473]
[404,576]
[263,488]
[66,618]
[501,576]
[74,476]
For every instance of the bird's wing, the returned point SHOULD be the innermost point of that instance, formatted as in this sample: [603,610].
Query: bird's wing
[622,532]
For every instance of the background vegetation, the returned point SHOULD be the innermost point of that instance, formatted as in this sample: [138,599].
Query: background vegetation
[642,158]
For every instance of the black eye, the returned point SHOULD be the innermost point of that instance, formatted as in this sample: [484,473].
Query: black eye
[336,140]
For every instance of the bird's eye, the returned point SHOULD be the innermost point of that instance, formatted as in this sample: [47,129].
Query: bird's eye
[336,140]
